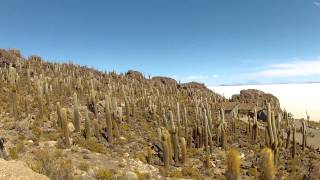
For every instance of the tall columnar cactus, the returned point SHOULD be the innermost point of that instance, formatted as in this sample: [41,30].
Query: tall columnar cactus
[294,142]
[174,138]
[166,150]
[76,113]
[255,126]
[97,129]
[234,122]
[304,135]
[59,120]
[274,129]
[13,102]
[127,105]
[65,127]
[186,128]
[267,165]
[288,136]
[269,126]
[179,120]
[205,132]
[183,146]
[87,125]
[222,129]
[249,125]
[108,119]
[233,165]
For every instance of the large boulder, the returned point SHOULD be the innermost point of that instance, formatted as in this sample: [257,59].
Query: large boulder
[17,170]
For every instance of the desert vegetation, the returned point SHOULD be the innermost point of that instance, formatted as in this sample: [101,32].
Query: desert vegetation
[67,121]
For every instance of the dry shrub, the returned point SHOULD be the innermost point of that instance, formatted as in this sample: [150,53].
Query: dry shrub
[103,174]
[52,164]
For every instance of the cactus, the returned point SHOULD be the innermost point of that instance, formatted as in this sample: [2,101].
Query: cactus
[186,135]
[59,120]
[288,136]
[294,142]
[76,113]
[108,120]
[233,165]
[304,135]
[97,128]
[255,126]
[183,146]
[179,120]
[127,105]
[205,132]
[115,126]
[166,151]
[266,165]
[223,139]
[174,138]
[65,127]
[13,103]
[87,124]
[270,131]
[274,130]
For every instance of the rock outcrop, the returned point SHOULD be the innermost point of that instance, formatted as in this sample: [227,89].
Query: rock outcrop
[256,96]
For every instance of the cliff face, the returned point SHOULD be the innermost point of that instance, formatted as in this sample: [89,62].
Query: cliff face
[257,97]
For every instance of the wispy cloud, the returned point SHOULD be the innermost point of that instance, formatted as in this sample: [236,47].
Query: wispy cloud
[317,3]
[215,76]
[292,69]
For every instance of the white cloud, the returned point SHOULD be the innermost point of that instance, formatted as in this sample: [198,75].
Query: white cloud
[317,3]
[215,76]
[295,68]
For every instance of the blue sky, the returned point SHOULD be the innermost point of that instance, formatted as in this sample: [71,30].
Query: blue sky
[215,42]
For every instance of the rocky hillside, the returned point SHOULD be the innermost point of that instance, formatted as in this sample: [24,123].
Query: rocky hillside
[71,122]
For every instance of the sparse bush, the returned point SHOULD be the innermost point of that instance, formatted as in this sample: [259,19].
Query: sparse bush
[13,153]
[176,174]
[52,165]
[191,172]
[103,174]
[83,166]
[91,144]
